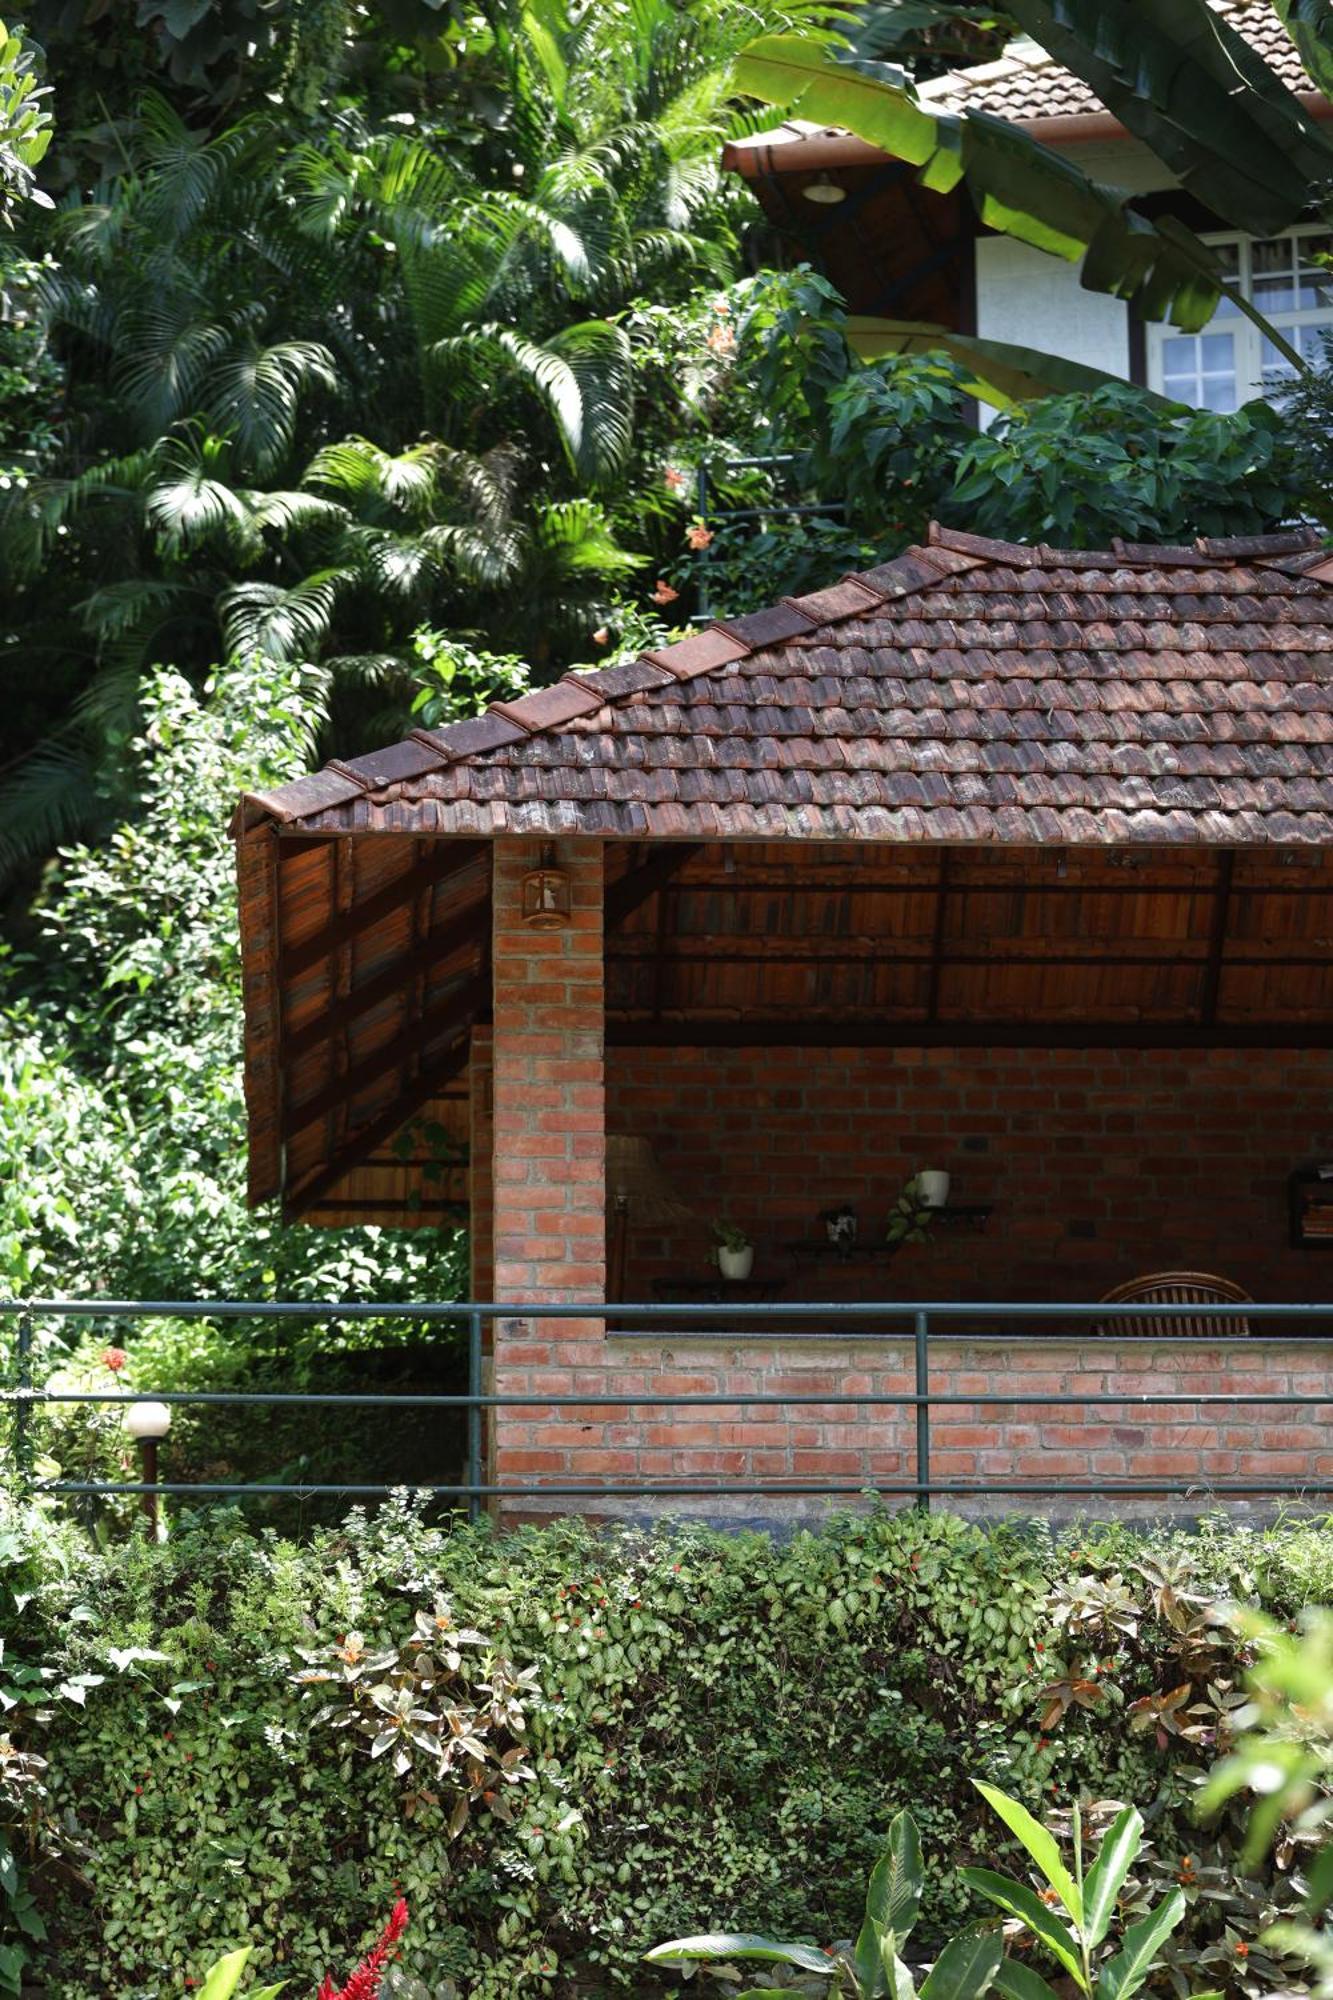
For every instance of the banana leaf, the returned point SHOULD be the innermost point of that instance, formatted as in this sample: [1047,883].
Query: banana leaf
[1017,185]
[997,371]
[1181,79]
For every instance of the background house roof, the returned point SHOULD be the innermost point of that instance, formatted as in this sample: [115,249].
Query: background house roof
[969,691]
[1025,83]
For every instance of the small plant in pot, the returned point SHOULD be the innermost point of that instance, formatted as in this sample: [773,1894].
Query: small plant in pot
[734,1251]
[911,1215]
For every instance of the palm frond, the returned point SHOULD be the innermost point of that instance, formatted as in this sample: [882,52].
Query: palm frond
[46,800]
[281,624]
[254,395]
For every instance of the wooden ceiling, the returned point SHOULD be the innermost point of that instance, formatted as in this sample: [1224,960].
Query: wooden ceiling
[373,966]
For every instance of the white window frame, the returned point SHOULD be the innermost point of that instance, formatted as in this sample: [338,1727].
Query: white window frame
[1250,368]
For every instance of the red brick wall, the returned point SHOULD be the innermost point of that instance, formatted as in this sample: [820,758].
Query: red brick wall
[1101,1164]
[549,1128]
[824,1444]
[481,1165]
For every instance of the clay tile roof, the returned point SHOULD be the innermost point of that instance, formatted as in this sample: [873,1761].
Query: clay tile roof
[1026,83]
[969,690]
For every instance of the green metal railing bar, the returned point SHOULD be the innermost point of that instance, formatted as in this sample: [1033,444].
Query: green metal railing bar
[656,1321]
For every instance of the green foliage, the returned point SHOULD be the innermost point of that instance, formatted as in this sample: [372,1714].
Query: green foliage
[121,1114]
[1077,471]
[728,1727]
[25,125]
[1078,1939]
[444,1706]
[872,1967]
[328,377]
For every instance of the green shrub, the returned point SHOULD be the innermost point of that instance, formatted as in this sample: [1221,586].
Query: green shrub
[727,1725]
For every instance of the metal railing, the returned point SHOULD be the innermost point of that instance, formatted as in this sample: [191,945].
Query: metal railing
[808,1324]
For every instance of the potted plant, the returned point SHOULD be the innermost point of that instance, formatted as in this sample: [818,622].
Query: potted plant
[912,1214]
[734,1252]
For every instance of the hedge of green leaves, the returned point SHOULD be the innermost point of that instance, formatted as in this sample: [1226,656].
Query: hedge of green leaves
[728,1725]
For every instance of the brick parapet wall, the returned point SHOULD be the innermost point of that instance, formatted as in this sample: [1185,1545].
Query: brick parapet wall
[874,1446]
[549,1130]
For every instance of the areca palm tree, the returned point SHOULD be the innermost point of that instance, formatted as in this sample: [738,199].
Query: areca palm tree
[320,391]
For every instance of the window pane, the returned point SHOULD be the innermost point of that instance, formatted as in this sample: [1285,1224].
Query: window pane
[1200,369]
[1228,256]
[1273,265]
[1316,279]
[1217,351]
[1218,395]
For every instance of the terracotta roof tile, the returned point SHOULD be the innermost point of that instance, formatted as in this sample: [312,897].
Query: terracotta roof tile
[1026,694]
[1026,83]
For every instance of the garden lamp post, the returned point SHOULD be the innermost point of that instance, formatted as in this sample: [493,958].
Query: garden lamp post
[146,1423]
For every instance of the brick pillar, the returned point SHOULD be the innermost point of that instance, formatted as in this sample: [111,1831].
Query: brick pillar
[550,1149]
[481,1169]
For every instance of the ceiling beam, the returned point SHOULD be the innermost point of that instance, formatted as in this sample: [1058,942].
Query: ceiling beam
[447,857]
[456,1014]
[427,1083]
[914,1034]
[634,889]
[472,928]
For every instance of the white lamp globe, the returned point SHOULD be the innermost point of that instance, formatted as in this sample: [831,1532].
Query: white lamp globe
[147,1420]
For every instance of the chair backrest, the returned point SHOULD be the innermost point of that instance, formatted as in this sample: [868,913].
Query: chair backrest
[1178,1288]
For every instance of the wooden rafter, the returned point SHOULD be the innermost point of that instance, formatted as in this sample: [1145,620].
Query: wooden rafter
[452,1017]
[916,1033]
[1217,939]
[472,928]
[446,857]
[634,889]
[430,1079]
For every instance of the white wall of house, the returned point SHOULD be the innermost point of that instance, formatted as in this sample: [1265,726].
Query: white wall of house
[1034,300]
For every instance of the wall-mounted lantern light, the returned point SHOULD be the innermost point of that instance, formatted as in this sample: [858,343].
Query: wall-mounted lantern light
[546,900]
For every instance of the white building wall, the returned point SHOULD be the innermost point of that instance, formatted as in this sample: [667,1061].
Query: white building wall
[1034,300]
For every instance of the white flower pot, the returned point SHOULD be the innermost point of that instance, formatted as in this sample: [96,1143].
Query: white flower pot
[933,1188]
[736,1264]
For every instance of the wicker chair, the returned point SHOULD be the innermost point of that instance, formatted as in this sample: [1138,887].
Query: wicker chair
[1186,1288]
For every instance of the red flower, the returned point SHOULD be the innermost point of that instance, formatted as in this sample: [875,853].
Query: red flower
[364,1983]
[114,1358]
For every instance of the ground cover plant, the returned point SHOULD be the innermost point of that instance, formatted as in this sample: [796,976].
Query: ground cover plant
[718,1731]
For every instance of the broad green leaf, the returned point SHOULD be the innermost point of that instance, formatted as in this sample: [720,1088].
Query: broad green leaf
[1310,25]
[1126,1972]
[966,1967]
[1017,1900]
[1018,1981]
[893,1897]
[997,371]
[717,1947]
[1192,89]
[1040,1844]
[868,1958]
[225,1976]
[1106,1877]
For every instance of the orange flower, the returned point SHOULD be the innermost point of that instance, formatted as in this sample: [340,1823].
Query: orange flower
[601,636]
[114,1358]
[664,594]
[698,536]
[721,339]
[674,479]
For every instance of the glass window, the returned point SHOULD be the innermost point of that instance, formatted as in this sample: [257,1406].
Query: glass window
[1290,279]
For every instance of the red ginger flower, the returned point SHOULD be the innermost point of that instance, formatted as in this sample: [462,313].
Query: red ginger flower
[114,1358]
[364,1983]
